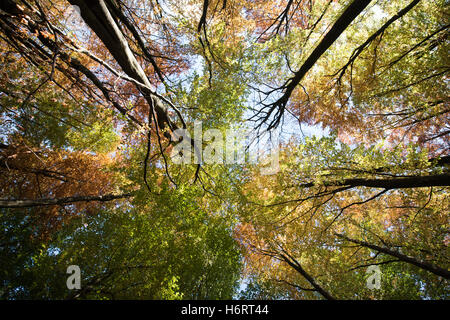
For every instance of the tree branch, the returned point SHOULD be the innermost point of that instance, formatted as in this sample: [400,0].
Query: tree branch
[402,257]
[27,203]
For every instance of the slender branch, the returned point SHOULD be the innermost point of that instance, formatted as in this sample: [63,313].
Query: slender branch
[402,257]
[377,33]
[28,203]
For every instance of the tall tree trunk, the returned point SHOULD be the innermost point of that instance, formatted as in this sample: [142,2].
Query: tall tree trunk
[98,17]
[294,264]
[346,18]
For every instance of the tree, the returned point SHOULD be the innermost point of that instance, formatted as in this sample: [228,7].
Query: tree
[93,95]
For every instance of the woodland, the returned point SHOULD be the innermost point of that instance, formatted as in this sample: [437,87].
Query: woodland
[91,93]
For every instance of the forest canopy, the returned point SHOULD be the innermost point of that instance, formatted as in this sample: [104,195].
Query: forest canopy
[223,149]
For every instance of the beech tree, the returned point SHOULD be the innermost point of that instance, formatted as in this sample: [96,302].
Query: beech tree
[93,95]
